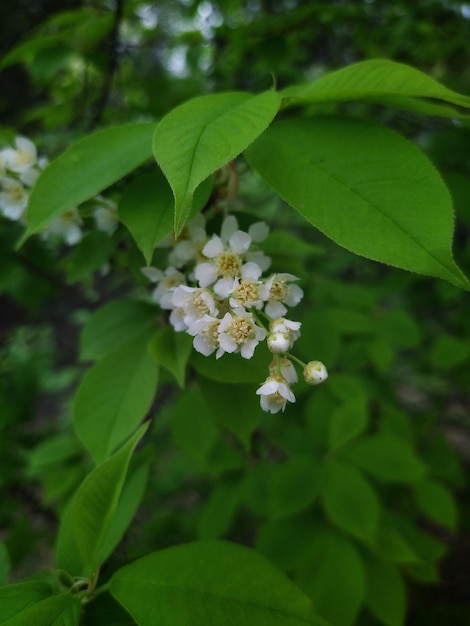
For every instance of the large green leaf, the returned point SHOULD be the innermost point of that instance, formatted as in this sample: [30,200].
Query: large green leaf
[193,426]
[115,396]
[94,505]
[129,501]
[172,351]
[334,579]
[62,610]
[365,187]
[436,502]
[86,168]
[375,79]
[350,501]
[210,582]
[14,599]
[147,208]
[347,421]
[385,592]
[204,134]
[387,458]
[234,406]
[112,325]
[293,486]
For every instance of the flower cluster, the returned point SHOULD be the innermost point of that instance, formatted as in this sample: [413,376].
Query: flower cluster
[216,291]
[20,167]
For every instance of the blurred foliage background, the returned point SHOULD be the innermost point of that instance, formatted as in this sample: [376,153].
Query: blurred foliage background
[397,345]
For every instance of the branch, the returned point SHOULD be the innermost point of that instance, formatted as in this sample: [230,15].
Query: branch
[112,66]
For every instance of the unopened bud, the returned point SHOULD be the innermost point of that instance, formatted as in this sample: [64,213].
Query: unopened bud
[315,373]
[279,343]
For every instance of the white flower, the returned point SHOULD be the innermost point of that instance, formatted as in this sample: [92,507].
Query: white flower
[190,243]
[21,158]
[274,394]
[227,254]
[206,334]
[315,373]
[66,227]
[283,334]
[30,176]
[196,302]
[168,281]
[246,291]
[281,292]
[177,319]
[278,343]
[238,332]
[258,231]
[285,367]
[106,215]
[13,198]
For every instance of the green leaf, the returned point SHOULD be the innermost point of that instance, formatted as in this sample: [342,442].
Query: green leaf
[211,582]
[385,592]
[106,611]
[129,501]
[351,322]
[86,168]
[68,556]
[26,51]
[349,501]
[234,406]
[335,578]
[387,458]
[291,553]
[448,352]
[94,505]
[172,350]
[115,396]
[347,421]
[112,325]
[147,209]
[5,564]
[375,78]
[400,328]
[14,599]
[218,511]
[293,486]
[61,610]
[364,186]
[436,502]
[193,427]
[320,338]
[204,134]
[392,546]
[89,256]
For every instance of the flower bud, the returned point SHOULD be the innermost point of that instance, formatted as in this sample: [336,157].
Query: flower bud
[315,373]
[279,342]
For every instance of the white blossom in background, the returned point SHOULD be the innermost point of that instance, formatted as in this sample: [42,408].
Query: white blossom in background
[13,198]
[20,168]
[66,226]
[105,215]
[217,292]
[22,157]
